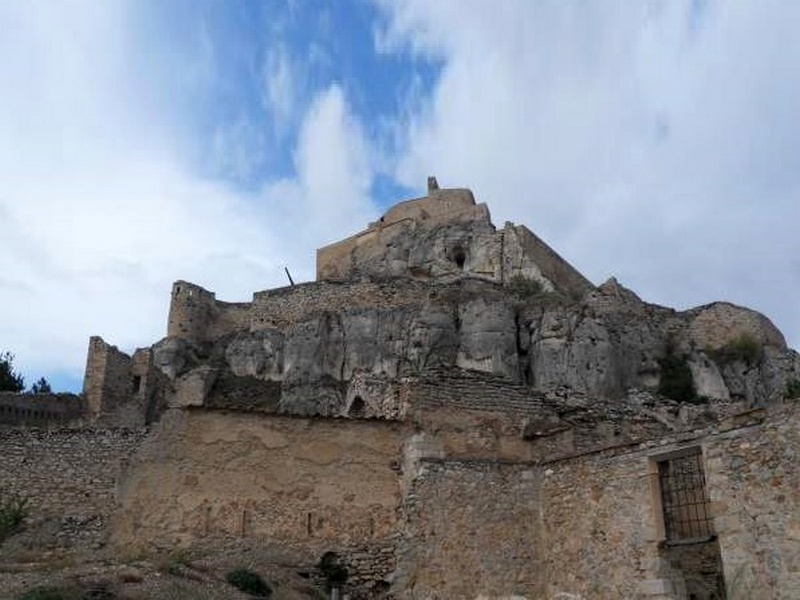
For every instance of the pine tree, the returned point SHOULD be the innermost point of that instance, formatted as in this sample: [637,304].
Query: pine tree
[10,380]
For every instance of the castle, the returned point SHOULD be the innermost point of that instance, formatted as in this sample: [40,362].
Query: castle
[456,412]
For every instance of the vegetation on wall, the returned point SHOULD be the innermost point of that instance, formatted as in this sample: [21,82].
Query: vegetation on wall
[676,380]
[13,510]
[525,287]
[792,388]
[743,348]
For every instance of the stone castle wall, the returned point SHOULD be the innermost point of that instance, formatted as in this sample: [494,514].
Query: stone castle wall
[39,409]
[526,255]
[446,236]
[311,485]
[67,474]
[195,314]
[464,520]
[471,532]
[107,382]
[754,484]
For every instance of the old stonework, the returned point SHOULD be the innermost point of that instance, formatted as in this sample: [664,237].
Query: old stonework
[451,410]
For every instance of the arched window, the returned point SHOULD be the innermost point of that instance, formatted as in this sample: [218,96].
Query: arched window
[357,407]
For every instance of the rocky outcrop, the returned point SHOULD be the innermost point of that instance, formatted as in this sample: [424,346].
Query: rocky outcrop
[608,345]
[434,285]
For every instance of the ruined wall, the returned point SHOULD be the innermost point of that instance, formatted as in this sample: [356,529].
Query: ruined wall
[599,530]
[107,381]
[471,532]
[67,474]
[195,314]
[308,485]
[603,529]
[289,305]
[525,254]
[336,261]
[39,409]
[754,485]
[439,206]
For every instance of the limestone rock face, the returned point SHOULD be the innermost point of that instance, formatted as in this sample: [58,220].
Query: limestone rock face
[605,345]
[433,284]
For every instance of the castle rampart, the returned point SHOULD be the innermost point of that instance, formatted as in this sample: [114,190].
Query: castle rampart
[444,236]
[38,410]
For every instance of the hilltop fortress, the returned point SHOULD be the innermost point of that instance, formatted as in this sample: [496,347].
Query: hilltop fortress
[455,412]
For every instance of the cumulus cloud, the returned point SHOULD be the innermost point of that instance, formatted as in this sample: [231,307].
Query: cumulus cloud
[653,141]
[100,212]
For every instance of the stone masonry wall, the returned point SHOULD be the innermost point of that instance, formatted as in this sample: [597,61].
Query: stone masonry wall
[196,314]
[603,530]
[471,532]
[107,381]
[289,305]
[66,473]
[598,529]
[754,485]
[303,484]
[39,409]
[521,246]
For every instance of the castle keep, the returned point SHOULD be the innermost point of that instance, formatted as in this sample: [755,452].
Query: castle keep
[456,412]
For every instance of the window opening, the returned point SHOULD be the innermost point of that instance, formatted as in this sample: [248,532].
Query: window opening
[684,499]
[357,408]
[459,257]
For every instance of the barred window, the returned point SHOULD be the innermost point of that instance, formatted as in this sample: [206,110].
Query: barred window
[684,499]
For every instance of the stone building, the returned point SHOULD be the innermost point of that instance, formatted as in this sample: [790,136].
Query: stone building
[456,412]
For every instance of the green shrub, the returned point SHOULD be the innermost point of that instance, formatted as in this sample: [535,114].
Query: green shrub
[676,380]
[743,348]
[13,510]
[525,287]
[792,388]
[249,582]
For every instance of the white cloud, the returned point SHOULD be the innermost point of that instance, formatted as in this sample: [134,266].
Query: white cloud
[99,212]
[283,87]
[650,141]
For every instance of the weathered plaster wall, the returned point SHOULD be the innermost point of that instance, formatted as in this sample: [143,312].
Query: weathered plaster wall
[307,485]
[471,532]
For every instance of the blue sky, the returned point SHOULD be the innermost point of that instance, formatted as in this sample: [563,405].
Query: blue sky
[219,141]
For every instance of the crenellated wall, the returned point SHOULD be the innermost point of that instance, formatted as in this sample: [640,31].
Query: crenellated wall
[38,410]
